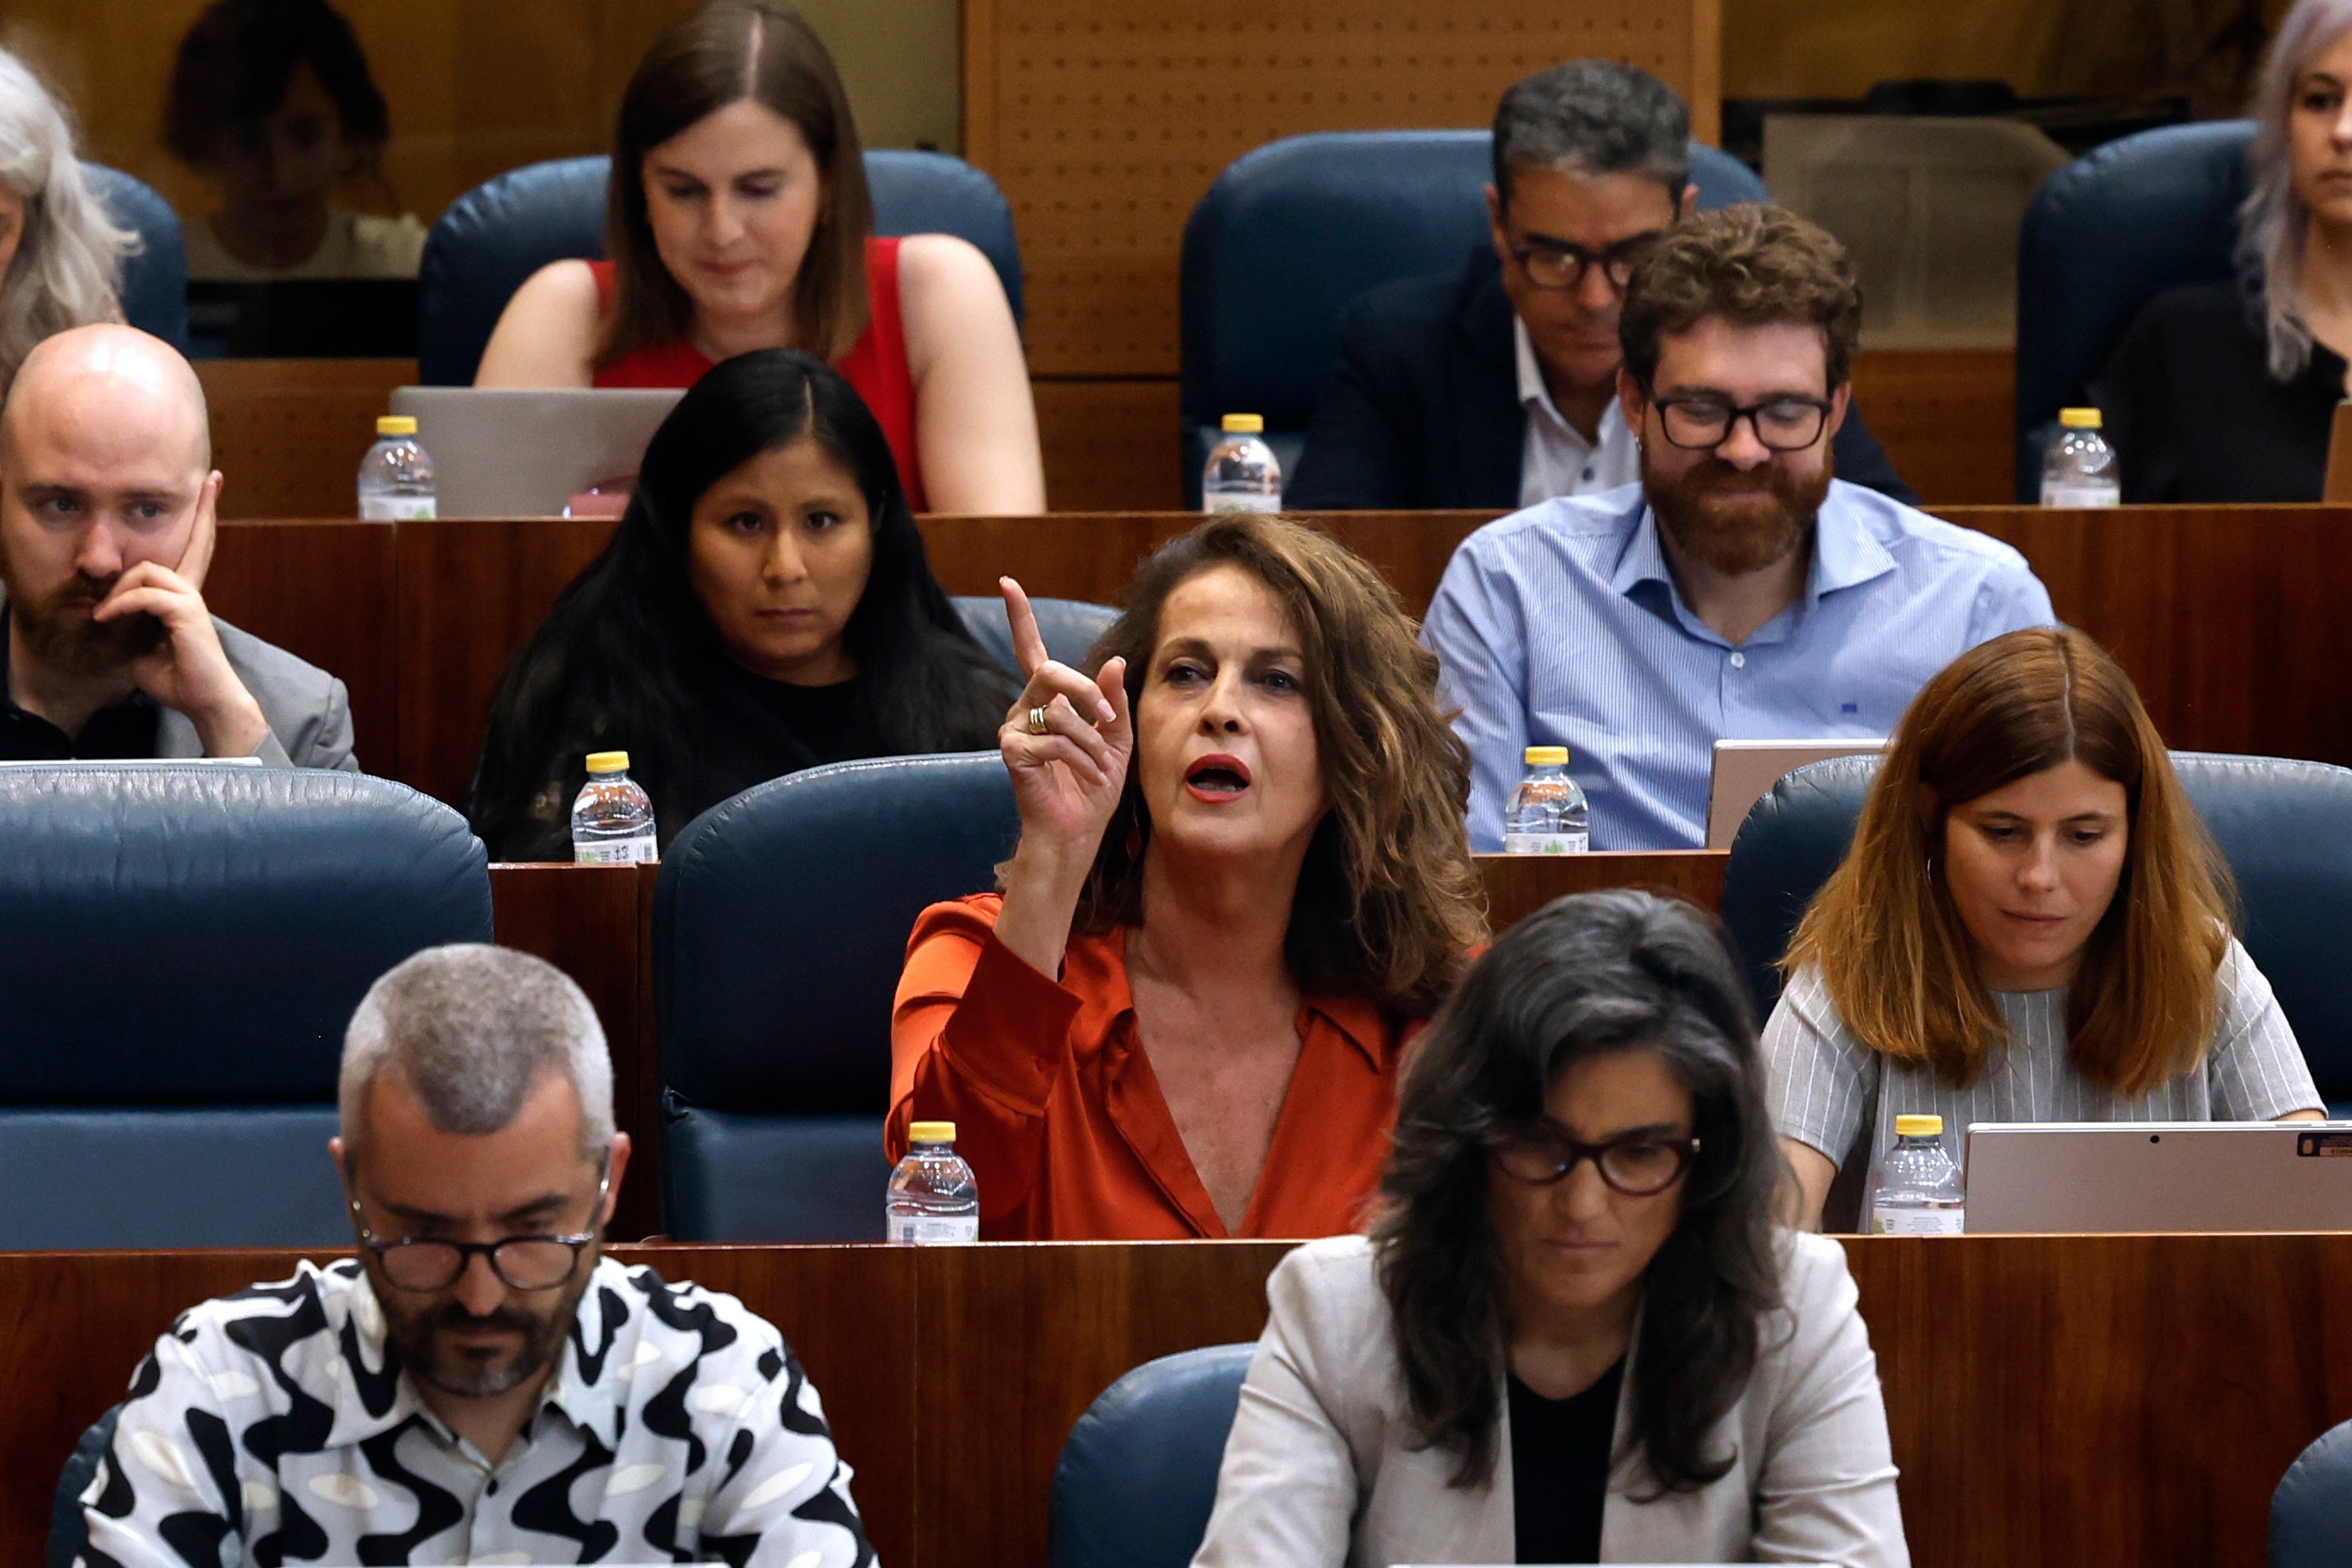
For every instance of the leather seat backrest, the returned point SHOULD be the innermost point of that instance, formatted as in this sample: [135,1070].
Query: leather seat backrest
[496,235]
[182,946]
[1138,1477]
[2103,236]
[1069,627]
[780,921]
[2311,1512]
[155,275]
[1294,230]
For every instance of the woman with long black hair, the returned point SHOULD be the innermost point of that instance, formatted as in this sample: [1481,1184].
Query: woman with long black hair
[1575,1334]
[765,606]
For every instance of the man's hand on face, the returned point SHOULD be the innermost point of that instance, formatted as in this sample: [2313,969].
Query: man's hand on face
[189,671]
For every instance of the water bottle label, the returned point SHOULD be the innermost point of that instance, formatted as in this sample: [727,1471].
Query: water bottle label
[1546,842]
[397,509]
[2057,494]
[617,851]
[1952,1221]
[1252,500]
[929,1229]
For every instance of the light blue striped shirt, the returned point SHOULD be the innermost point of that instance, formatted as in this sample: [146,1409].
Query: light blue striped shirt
[1561,626]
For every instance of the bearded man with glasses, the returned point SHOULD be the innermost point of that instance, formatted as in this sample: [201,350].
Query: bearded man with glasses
[480,1385]
[1496,386]
[1742,590]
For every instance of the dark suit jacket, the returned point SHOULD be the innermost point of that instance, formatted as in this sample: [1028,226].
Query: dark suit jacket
[1425,411]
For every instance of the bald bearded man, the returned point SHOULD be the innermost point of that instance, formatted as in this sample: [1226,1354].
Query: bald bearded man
[107,496]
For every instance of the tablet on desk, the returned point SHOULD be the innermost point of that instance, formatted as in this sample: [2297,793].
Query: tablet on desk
[2112,1176]
[504,452]
[1745,771]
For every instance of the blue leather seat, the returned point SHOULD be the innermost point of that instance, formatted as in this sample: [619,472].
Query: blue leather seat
[182,948]
[1291,232]
[780,925]
[1069,627]
[500,232]
[2311,1512]
[2103,236]
[2266,814]
[155,275]
[1139,1475]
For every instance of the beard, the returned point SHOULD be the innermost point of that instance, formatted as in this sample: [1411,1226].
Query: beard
[58,630]
[1735,522]
[470,1374]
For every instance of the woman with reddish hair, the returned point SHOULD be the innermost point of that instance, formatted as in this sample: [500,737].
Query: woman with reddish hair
[2032,925]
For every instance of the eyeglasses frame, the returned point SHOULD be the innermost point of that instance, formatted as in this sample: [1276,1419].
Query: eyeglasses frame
[1579,1152]
[469,1250]
[1627,253]
[1735,413]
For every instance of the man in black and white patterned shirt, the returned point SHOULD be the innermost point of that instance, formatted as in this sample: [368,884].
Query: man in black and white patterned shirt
[479,1385]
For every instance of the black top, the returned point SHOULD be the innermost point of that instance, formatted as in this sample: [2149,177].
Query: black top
[1424,410]
[815,724]
[2194,416]
[1560,1469]
[121,730]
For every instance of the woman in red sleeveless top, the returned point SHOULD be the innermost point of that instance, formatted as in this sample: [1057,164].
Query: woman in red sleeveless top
[739,219]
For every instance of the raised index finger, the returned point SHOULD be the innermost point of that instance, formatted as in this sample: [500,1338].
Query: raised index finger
[1028,643]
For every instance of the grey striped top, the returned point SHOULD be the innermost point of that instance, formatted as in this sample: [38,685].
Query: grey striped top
[1823,1081]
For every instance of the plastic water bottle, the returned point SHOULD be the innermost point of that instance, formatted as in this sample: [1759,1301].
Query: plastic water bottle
[1242,475]
[396,475]
[933,1198]
[1919,1191]
[2079,468]
[611,820]
[1546,814]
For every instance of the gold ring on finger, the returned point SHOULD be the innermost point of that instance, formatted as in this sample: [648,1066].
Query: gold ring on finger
[1037,725]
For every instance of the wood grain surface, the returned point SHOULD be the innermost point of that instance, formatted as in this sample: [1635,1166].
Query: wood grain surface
[2056,1402]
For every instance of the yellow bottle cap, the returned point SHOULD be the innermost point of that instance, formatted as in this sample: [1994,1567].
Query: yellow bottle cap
[932,1133]
[608,761]
[397,425]
[1244,424]
[2079,419]
[1918,1127]
[1546,756]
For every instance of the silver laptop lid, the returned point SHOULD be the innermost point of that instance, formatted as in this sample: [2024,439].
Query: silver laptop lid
[2158,1176]
[507,453]
[1745,771]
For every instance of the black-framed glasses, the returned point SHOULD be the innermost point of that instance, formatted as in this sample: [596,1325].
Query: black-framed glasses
[521,1262]
[1781,424]
[1550,265]
[1639,1166]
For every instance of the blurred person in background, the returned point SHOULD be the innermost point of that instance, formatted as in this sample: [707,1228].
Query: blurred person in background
[272,101]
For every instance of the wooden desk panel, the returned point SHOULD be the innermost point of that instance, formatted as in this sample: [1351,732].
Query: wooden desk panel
[471,593]
[2056,1402]
[323,592]
[1519,885]
[289,434]
[1947,418]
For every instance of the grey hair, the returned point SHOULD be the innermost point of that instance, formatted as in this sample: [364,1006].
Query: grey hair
[2273,223]
[470,1027]
[1594,117]
[69,266]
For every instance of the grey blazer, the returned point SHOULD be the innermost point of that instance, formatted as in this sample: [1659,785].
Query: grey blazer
[308,711]
[1321,1469]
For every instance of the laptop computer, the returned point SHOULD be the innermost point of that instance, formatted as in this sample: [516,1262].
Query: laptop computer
[2158,1176]
[507,453]
[1745,771]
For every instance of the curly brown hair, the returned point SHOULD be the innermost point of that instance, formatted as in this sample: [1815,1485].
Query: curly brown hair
[1751,264]
[1389,902]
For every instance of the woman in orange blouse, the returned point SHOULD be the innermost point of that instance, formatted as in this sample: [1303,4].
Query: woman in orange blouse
[1241,883]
